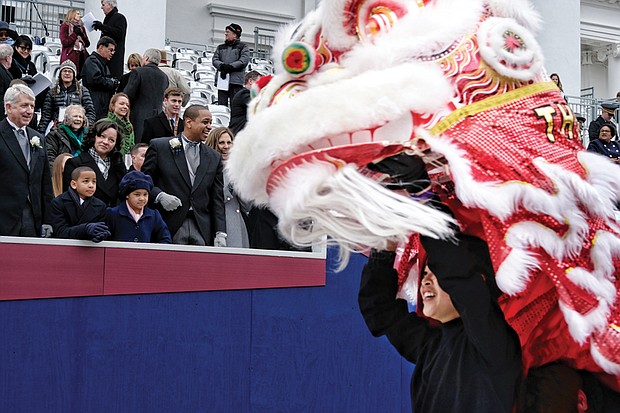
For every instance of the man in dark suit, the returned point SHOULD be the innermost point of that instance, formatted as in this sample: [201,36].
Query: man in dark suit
[146,88]
[114,26]
[189,182]
[168,122]
[25,180]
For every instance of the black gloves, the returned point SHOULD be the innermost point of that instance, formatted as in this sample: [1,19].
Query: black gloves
[226,68]
[408,171]
[97,25]
[28,79]
[97,231]
[115,83]
[78,30]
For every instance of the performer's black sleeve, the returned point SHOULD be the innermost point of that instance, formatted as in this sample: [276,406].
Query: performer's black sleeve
[385,314]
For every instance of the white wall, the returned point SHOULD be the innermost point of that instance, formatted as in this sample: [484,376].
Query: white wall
[146,23]
[560,41]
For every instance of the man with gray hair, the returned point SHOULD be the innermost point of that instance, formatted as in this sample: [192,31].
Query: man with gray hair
[6,58]
[145,88]
[25,180]
[114,26]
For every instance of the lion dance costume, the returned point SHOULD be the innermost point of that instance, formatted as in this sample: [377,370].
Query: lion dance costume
[461,84]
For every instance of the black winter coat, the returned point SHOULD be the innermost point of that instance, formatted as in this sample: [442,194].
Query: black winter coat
[97,78]
[115,26]
[58,97]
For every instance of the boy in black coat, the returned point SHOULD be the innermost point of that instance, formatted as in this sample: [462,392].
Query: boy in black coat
[76,213]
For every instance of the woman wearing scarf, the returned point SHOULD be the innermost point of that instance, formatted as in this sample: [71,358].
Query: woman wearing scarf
[68,135]
[119,114]
[74,40]
[67,91]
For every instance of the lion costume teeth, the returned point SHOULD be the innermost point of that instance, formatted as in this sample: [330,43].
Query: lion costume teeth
[461,84]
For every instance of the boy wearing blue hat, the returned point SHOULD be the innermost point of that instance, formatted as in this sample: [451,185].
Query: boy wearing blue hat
[132,220]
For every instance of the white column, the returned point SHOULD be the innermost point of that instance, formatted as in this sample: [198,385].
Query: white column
[560,41]
[613,76]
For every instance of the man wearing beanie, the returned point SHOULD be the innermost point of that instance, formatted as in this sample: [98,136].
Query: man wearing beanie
[132,220]
[230,59]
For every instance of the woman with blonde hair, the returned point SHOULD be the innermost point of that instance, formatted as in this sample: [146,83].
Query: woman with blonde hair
[134,61]
[119,114]
[74,40]
[221,139]
[58,167]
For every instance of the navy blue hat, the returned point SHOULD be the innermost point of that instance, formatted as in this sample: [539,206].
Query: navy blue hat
[235,28]
[134,180]
[610,107]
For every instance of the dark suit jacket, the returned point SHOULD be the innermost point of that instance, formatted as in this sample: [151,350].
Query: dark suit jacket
[70,223]
[18,183]
[5,81]
[159,127]
[145,88]
[170,173]
[107,189]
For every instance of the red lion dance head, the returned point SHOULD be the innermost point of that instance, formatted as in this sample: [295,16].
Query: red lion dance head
[461,84]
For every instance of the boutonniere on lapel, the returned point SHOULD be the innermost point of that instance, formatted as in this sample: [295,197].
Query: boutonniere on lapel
[35,142]
[175,144]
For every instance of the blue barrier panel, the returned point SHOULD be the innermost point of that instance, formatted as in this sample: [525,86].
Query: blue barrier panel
[273,350]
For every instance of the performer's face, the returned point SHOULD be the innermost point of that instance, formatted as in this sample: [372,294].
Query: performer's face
[437,304]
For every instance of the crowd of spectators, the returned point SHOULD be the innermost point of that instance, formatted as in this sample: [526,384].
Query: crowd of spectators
[126,157]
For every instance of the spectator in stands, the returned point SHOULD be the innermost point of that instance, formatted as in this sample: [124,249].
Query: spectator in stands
[97,78]
[25,179]
[114,26]
[168,122]
[221,139]
[23,68]
[67,136]
[7,35]
[6,58]
[189,182]
[138,153]
[77,213]
[133,220]
[74,40]
[230,59]
[604,144]
[472,362]
[239,105]
[607,114]
[101,153]
[66,91]
[119,113]
[134,61]
[145,89]
[57,168]
[555,78]
[581,120]
[175,78]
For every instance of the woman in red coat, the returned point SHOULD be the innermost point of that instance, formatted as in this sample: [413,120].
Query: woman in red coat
[74,40]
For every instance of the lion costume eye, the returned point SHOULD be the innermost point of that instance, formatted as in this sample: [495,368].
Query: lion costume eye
[376,17]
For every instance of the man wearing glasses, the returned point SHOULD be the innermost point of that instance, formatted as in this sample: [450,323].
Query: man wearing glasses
[97,78]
